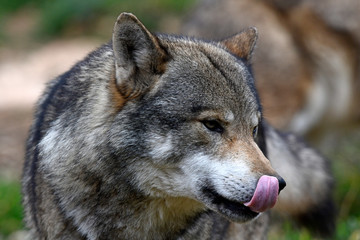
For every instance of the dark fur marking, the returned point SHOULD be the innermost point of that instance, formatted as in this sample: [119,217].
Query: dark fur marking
[233,206]
[216,66]
[191,223]
[260,139]
[249,80]
[38,135]
[199,109]
[42,123]
[216,229]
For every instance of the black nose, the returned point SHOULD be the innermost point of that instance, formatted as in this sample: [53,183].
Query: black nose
[282,183]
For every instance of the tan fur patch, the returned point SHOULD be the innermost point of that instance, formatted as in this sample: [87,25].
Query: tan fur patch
[260,162]
[251,153]
[117,99]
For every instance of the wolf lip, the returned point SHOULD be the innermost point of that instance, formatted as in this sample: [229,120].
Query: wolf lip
[265,195]
[239,212]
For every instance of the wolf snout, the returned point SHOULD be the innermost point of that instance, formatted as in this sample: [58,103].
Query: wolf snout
[282,183]
[266,193]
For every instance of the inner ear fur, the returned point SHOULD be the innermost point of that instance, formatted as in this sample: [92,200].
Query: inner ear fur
[243,43]
[139,57]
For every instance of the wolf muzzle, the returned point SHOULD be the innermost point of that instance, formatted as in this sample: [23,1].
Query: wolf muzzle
[266,193]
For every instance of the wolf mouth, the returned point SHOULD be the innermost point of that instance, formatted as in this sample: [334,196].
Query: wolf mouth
[234,210]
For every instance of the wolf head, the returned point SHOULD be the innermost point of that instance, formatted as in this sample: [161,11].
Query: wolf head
[188,122]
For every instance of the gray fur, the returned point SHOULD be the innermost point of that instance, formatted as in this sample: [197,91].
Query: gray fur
[123,145]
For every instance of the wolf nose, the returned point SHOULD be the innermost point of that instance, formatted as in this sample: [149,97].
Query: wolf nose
[282,183]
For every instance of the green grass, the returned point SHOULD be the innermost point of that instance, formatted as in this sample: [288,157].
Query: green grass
[349,228]
[346,229]
[10,207]
[287,231]
[346,168]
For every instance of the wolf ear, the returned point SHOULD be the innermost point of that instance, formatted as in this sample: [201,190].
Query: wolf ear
[139,58]
[243,43]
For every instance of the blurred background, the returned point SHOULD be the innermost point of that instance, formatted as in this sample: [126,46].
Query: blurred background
[306,64]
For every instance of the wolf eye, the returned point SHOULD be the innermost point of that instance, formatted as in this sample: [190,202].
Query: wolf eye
[255,130]
[213,126]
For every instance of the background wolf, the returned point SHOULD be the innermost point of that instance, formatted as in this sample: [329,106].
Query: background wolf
[155,136]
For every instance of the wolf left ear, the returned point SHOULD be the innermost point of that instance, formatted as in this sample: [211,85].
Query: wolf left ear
[243,43]
[139,58]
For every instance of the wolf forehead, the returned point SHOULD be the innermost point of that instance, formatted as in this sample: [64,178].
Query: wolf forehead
[205,76]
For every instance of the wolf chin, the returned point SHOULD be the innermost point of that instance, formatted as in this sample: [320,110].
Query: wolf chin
[162,137]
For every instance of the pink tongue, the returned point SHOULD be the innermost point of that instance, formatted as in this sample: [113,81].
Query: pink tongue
[265,195]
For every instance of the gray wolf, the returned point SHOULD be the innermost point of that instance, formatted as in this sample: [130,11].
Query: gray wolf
[152,137]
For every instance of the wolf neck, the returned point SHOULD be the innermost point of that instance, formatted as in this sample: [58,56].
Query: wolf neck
[163,217]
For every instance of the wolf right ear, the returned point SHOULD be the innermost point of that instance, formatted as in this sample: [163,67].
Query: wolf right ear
[139,58]
[243,43]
